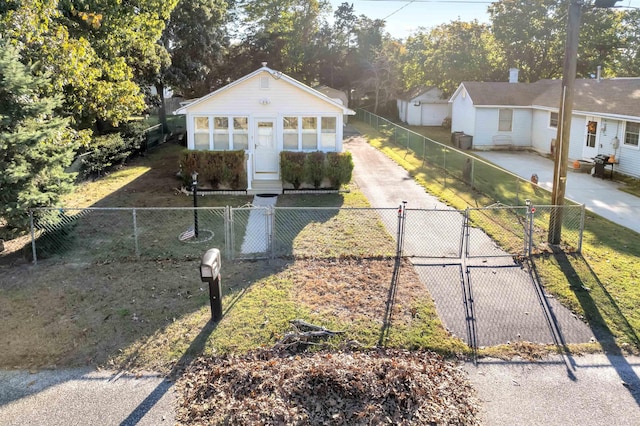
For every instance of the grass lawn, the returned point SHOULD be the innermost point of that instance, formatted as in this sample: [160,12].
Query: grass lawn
[153,314]
[601,285]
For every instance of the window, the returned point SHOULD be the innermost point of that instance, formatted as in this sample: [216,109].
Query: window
[290,133]
[220,133]
[240,133]
[328,130]
[505,120]
[631,134]
[309,133]
[553,120]
[201,133]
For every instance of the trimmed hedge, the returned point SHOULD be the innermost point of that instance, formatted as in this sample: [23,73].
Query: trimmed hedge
[216,169]
[314,168]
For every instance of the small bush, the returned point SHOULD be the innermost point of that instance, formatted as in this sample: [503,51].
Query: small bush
[314,168]
[339,168]
[108,151]
[217,169]
[292,167]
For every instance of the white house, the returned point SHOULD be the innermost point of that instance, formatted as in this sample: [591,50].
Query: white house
[264,113]
[423,107]
[605,120]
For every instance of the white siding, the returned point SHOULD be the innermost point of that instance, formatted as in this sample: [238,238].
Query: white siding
[463,118]
[577,137]
[541,133]
[245,99]
[629,157]
[487,134]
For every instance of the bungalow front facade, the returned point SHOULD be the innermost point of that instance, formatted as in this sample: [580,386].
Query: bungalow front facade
[605,119]
[264,113]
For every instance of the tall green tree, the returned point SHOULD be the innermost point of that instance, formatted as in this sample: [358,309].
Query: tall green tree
[35,145]
[283,33]
[452,53]
[97,52]
[196,39]
[533,34]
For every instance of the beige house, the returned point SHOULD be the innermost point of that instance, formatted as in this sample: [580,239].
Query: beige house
[264,113]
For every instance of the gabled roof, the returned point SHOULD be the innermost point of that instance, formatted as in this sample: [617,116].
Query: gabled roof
[419,91]
[276,74]
[615,96]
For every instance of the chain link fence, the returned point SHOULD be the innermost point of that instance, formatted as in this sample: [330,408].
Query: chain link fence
[108,234]
[451,166]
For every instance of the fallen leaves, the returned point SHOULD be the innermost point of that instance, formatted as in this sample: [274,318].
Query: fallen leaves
[356,388]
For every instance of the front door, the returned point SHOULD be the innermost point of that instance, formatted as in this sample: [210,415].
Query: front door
[266,150]
[590,147]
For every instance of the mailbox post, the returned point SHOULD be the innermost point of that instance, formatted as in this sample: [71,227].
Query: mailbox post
[210,273]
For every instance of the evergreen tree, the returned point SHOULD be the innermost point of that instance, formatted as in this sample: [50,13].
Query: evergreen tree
[35,146]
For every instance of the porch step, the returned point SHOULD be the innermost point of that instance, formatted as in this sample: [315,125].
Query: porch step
[265,187]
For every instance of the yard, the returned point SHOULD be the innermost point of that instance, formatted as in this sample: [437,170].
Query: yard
[154,315]
[146,315]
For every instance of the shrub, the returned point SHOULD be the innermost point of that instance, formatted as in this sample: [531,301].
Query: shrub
[108,151]
[292,167]
[216,169]
[314,168]
[339,168]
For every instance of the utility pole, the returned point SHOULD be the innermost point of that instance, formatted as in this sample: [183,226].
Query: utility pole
[564,122]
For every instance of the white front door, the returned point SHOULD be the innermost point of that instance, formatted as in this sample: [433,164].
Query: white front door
[591,138]
[266,156]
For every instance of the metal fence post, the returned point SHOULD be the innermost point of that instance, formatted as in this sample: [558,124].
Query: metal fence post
[229,232]
[33,238]
[583,213]
[402,214]
[135,233]
[444,166]
[529,228]
[271,226]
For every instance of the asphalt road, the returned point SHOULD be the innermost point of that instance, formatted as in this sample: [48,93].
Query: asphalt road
[84,397]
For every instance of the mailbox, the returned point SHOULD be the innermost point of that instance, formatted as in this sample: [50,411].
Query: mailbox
[210,265]
[210,273]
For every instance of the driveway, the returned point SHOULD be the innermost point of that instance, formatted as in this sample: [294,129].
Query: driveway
[600,389]
[601,196]
[485,301]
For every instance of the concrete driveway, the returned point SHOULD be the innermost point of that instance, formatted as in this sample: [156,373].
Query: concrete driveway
[601,196]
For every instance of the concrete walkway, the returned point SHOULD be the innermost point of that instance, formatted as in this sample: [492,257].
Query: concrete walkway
[600,196]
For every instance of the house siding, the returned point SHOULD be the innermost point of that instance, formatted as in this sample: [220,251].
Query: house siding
[541,133]
[463,115]
[488,136]
[245,99]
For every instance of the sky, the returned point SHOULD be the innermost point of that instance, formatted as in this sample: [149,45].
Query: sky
[404,17]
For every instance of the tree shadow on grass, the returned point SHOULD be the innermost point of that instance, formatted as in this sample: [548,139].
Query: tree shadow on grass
[597,302]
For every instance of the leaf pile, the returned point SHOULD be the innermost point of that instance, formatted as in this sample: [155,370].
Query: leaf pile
[354,388]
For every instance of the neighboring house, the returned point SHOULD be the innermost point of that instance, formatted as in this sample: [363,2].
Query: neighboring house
[337,95]
[605,119]
[264,113]
[423,107]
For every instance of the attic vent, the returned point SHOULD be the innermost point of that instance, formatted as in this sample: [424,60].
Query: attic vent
[264,82]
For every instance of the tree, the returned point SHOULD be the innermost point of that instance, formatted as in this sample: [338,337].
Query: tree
[95,52]
[452,53]
[531,35]
[196,40]
[383,76]
[283,33]
[35,145]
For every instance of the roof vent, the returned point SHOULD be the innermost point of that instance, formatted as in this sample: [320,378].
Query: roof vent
[264,64]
